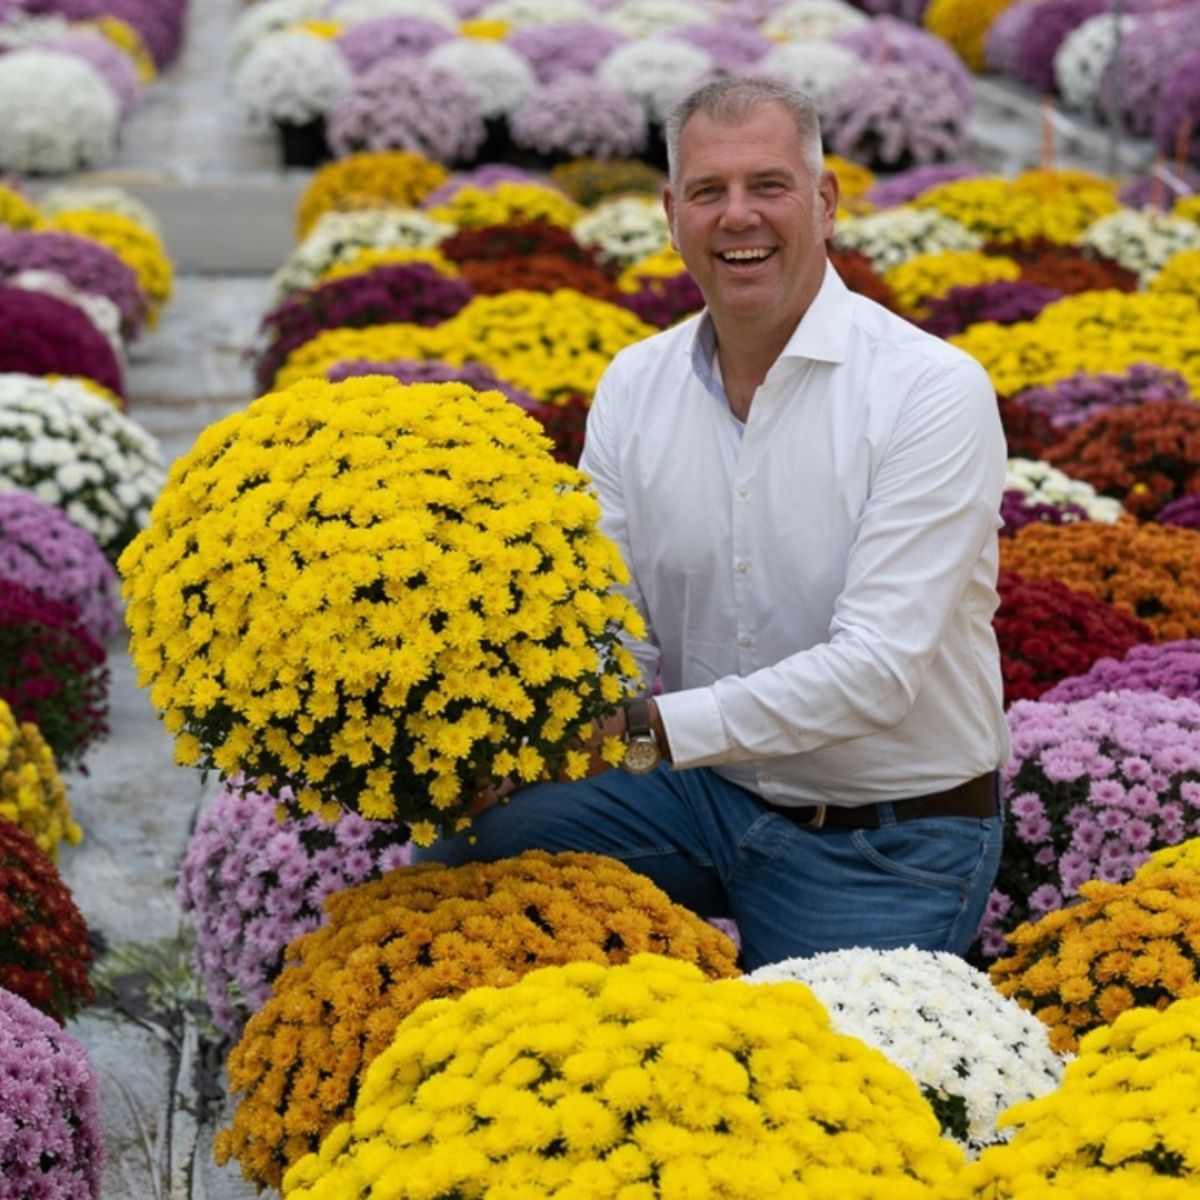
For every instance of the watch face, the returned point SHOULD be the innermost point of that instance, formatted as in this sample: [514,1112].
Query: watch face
[641,756]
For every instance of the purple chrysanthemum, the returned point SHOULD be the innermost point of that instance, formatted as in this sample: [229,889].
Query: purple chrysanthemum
[1144,191]
[1184,512]
[907,185]
[575,117]
[474,375]
[1005,301]
[486,176]
[569,48]
[113,65]
[404,105]
[159,24]
[732,47]
[1170,668]
[1000,47]
[44,550]
[369,43]
[1048,25]
[886,40]
[1017,511]
[1078,398]
[1179,110]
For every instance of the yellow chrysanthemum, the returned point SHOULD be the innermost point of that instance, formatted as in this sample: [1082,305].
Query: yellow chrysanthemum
[425,932]
[125,37]
[930,276]
[485,30]
[1187,207]
[370,258]
[507,202]
[965,25]
[854,181]
[662,264]
[1180,276]
[32,795]
[16,212]
[326,30]
[382,179]
[135,245]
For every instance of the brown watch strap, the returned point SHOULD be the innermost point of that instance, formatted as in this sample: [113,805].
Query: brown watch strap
[637,719]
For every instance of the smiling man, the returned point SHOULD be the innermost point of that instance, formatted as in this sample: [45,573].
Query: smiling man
[806,489]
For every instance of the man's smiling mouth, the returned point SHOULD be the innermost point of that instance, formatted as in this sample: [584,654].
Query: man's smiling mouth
[755,255]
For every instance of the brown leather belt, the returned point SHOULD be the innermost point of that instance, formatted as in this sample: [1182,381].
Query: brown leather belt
[975,798]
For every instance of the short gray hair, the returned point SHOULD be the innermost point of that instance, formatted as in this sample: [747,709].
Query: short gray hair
[735,99]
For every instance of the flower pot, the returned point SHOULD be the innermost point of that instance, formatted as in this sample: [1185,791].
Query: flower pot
[303,145]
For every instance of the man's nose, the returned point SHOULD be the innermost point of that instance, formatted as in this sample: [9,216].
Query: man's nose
[740,211]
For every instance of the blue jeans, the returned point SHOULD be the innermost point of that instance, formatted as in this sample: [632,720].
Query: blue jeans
[717,849]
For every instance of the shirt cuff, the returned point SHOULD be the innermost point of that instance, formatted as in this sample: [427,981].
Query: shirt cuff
[694,728]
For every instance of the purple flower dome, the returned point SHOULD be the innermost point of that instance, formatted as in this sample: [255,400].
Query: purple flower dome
[569,48]
[908,185]
[888,41]
[1044,32]
[1004,36]
[1005,302]
[1179,108]
[42,335]
[576,117]
[1078,398]
[43,550]
[911,12]
[50,1140]
[732,47]
[1145,190]
[369,43]
[1184,512]
[486,176]
[474,375]
[404,105]
[1172,668]
[160,25]
[114,66]
[84,263]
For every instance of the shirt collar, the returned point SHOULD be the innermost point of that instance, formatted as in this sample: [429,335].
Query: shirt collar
[822,335]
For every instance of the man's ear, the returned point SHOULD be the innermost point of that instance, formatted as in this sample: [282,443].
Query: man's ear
[828,191]
[668,199]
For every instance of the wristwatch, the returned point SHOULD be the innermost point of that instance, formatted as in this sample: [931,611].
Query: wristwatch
[642,754]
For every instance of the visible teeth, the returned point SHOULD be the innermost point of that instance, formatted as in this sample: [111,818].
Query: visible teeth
[744,255]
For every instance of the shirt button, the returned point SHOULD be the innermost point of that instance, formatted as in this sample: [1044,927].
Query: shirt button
[743,492]
[745,640]
[741,566]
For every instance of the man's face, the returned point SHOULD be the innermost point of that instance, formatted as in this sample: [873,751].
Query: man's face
[748,217]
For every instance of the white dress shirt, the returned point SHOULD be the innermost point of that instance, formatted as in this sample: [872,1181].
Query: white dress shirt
[818,583]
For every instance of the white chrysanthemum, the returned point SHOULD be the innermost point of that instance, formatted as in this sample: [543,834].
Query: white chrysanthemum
[290,77]
[22,29]
[80,453]
[645,18]
[100,310]
[525,14]
[818,68]
[813,20]
[894,236]
[1083,57]
[1141,241]
[1043,484]
[339,236]
[73,198]
[656,72]
[624,230]
[971,1051]
[354,12]
[56,113]
[266,17]
[497,75]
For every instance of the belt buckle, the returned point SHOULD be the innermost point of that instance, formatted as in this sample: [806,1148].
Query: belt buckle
[817,822]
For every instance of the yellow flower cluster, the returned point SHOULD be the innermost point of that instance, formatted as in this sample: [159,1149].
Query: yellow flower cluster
[1122,1124]
[1057,206]
[1187,207]
[416,934]
[134,244]
[553,345]
[379,595]
[1185,855]
[629,1083]
[371,257]
[965,24]
[662,264]
[1181,275]
[326,30]
[1124,945]
[385,179]
[485,30]
[854,181]
[32,794]
[126,38]
[507,203]
[16,212]
[590,180]
[1092,332]
[930,276]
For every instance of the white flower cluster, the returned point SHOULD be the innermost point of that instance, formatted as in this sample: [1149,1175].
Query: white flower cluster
[1141,241]
[258,21]
[339,236]
[1044,484]
[498,77]
[95,198]
[894,236]
[290,77]
[56,113]
[656,72]
[813,20]
[971,1050]
[818,68]
[624,230]
[524,14]
[75,451]
[354,12]
[1083,57]
[98,309]
[645,18]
